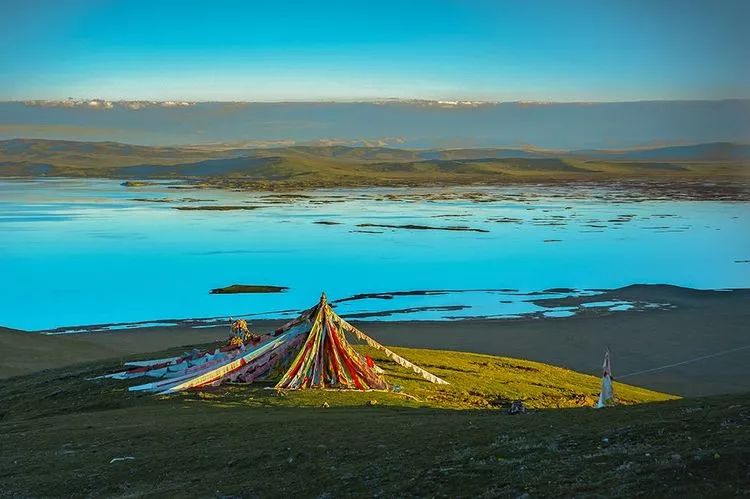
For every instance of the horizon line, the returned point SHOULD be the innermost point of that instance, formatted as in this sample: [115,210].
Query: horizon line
[374,100]
[323,143]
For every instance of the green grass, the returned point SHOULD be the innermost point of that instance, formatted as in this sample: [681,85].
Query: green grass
[477,381]
[59,432]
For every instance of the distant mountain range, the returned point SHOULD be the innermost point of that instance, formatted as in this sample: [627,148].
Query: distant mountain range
[389,123]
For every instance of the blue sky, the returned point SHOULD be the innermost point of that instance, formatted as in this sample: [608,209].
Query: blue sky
[350,50]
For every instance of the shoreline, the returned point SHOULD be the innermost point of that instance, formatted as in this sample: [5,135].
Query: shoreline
[701,324]
[635,188]
[587,302]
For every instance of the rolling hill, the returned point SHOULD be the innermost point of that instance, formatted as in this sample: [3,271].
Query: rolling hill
[714,151]
[329,166]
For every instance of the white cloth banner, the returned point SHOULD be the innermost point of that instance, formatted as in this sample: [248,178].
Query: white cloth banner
[607,395]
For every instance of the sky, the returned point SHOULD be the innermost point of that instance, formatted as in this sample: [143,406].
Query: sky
[543,50]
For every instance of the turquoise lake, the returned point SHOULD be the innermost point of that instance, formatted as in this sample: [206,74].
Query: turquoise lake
[82,252]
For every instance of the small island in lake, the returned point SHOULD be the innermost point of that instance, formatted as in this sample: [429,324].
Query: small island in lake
[247,288]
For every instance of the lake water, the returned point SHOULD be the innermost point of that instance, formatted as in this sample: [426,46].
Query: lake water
[78,252]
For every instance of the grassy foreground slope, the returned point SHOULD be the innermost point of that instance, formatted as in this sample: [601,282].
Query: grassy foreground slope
[60,434]
[688,448]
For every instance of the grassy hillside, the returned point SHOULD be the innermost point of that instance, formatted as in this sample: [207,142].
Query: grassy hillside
[476,382]
[24,352]
[712,151]
[328,166]
[60,433]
